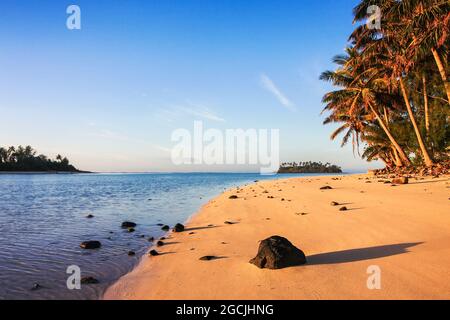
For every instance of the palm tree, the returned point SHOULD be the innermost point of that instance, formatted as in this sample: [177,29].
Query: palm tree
[388,53]
[358,96]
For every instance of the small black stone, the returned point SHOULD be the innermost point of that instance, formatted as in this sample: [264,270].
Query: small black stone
[178,227]
[89,280]
[153,253]
[128,224]
[90,244]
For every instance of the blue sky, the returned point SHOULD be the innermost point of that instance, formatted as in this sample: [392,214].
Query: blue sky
[109,95]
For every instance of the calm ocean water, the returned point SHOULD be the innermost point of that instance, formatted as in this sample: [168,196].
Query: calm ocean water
[43,221]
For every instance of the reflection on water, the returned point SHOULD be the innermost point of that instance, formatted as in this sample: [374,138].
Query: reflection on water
[43,221]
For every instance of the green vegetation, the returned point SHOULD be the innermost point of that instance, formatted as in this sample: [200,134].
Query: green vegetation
[25,159]
[308,167]
[393,84]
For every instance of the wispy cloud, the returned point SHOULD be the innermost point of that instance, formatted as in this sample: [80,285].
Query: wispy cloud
[270,86]
[188,109]
[202,112]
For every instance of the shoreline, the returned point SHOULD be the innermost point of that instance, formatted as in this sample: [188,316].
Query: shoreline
[402,229]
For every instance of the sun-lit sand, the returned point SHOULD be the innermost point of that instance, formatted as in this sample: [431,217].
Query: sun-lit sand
[405,230]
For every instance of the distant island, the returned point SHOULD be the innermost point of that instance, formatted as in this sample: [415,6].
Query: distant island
[308,167]
[24,159]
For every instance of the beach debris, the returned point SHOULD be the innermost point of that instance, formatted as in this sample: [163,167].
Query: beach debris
[89,280]
[131,230]
[160,243]
[343,209]
[178,227]
[401,180]
[276,253]
[282,199]
[326,188]
[270,197]
[162,238]
[153,253]
[91,244]
[128,224]
[229,222]
[233,197]
[334,203]
[165,228]
[151,239]
[208,258]
[192,232]
[131,253]
[90,216]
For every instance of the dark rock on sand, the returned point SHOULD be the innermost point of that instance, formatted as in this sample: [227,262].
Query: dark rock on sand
[233,197]
[128,224]
[326,188]
[153,253]
[165,228]
[89,280]
[178,227]
[90,245]
[334,203]
[343,209]
[160,243]
[229,222]
[402,180]
[276,253]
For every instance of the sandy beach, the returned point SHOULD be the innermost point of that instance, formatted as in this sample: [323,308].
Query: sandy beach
[404,230]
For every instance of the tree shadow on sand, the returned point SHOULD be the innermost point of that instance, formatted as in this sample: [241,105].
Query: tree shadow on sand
[361,254]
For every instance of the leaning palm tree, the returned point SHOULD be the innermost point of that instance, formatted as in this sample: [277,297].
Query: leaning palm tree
[358,95]
[389,54]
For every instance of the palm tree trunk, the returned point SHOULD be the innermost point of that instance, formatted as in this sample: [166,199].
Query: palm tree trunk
[397,160]
[426,156]
[425,101]
[402,154]
[441,68]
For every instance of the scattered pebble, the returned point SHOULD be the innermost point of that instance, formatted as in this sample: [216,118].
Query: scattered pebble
[153,253]
[89,280]
[128,224]
[90,244]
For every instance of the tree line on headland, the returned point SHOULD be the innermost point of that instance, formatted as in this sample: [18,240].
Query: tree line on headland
[393,90]
[25,159]
[308,167]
